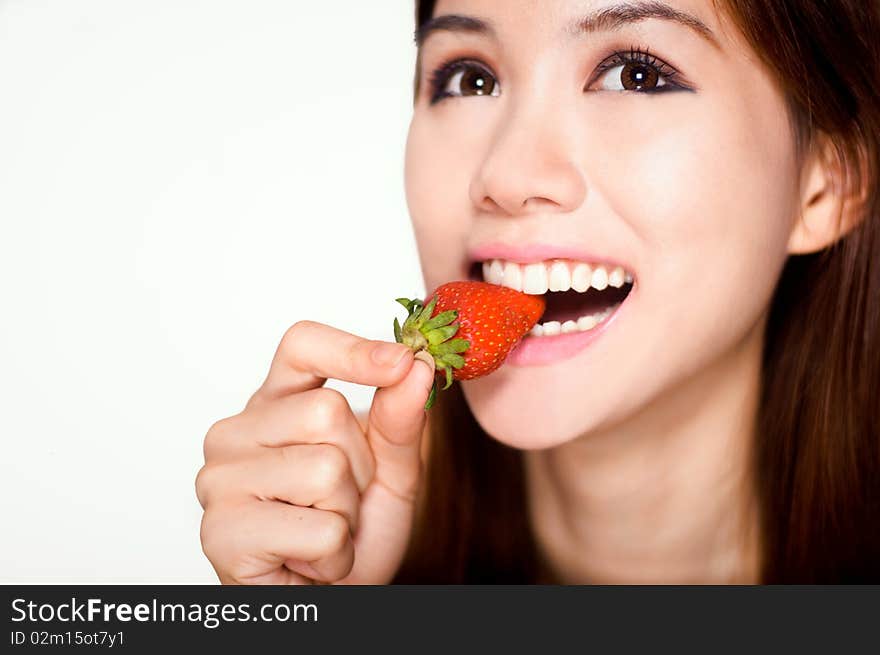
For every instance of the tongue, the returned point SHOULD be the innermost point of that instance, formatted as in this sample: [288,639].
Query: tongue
[571,305]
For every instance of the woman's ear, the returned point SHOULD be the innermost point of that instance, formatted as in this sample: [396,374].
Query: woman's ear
[829,206]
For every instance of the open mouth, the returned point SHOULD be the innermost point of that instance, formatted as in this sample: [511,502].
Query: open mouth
[579,296]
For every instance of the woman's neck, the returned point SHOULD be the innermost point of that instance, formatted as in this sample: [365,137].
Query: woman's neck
[665,497]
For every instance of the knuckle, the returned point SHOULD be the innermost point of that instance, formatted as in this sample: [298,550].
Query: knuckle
[407,486]
[327,411]
[241,568]
[292,334]
[333,533]
[289,465]
[331,468]
[221,543]
[217,481]
[204,484]
[218,435]
[209,536]
[343,564]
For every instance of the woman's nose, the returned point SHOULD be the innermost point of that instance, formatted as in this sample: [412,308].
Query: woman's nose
[530,166]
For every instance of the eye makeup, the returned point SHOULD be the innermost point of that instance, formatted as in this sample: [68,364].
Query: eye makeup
[644,72]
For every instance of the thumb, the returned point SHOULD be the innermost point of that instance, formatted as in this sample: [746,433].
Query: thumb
[394,432]
[395,425]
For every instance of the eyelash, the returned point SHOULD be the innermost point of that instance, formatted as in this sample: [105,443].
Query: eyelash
[638,56]
[441,76]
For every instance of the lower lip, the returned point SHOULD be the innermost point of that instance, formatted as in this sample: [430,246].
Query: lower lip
[539,351]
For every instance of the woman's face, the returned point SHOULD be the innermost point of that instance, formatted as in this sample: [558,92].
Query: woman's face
[545,136]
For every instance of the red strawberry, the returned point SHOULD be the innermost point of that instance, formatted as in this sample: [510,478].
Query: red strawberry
[491,321]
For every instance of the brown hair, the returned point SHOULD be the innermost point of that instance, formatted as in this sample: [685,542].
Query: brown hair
[817,431]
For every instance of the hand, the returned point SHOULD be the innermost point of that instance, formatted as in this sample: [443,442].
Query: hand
[295,490]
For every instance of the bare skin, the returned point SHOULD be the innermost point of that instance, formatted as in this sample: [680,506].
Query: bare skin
[299,490]
[638,446]
[663,498]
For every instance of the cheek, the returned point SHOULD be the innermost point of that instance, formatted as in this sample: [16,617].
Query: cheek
[708,188]
[710,172]
[436,180]
[706,193]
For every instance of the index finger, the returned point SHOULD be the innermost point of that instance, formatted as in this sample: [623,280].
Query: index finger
[311,352]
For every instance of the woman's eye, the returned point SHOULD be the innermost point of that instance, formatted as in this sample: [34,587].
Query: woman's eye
[632,77]
[639,72]
[464,79]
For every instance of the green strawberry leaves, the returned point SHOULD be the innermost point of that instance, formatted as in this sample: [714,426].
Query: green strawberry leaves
[421,332]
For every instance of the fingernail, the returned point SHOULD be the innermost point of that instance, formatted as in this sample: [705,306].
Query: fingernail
[389,354]
[427,371]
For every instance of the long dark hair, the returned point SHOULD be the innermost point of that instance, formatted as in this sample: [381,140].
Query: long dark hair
[816,455]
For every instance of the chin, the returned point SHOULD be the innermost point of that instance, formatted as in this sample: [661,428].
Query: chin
[524,419]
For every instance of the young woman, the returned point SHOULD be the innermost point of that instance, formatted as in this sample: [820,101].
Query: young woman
[718,425]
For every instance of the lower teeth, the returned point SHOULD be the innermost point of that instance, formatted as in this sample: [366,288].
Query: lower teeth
[583,324]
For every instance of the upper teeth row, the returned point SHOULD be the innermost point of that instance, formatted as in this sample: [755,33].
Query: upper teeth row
[555,275]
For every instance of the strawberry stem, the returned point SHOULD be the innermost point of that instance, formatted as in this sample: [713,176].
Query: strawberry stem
[432,397]
[435,335]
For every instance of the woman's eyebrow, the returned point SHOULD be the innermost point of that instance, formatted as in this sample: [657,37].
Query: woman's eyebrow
[603,19]
[452,23]
[615,16]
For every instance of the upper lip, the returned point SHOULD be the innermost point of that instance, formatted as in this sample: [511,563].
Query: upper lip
[529,253]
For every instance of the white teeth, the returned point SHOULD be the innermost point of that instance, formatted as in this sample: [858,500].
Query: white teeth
[539,277]
[560,278]
[583,324]
[551,328]
[512,276]
[600,278]
[581,278]
[587,322]
[535,279]
[496,272]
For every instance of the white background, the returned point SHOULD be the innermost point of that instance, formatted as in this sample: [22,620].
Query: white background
[180,181]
